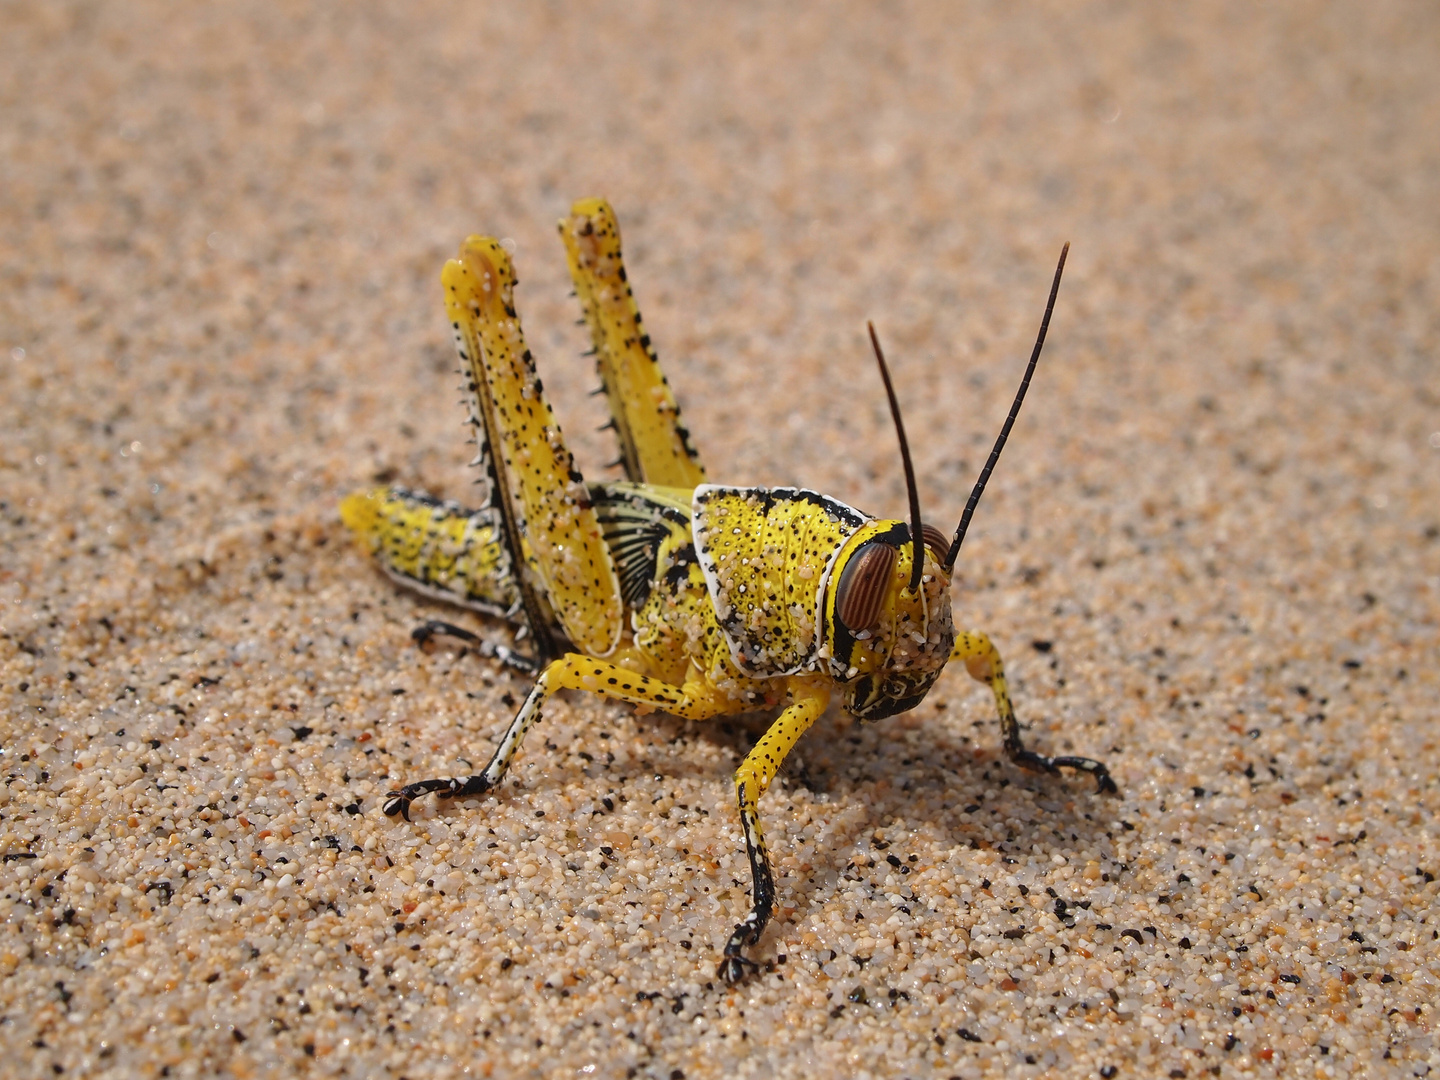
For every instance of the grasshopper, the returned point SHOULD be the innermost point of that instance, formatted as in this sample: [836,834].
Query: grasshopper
[664,590]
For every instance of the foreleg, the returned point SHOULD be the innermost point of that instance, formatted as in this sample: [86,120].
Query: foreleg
[982,661]
[751,780]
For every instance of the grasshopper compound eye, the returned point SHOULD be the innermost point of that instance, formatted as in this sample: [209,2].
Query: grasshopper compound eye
[937,542]
[862,585]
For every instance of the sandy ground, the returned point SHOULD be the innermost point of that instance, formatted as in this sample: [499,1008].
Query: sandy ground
[1211,554]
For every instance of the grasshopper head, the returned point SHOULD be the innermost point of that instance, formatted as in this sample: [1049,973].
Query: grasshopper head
[887,642]
[885,599]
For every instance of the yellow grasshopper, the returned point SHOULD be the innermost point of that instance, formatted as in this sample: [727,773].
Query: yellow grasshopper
[663,590]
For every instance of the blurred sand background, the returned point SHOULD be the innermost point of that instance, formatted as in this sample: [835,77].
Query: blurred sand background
[1211,553]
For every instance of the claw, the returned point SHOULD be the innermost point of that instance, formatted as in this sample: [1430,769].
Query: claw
[1028,759]
[453,788]
[734,968]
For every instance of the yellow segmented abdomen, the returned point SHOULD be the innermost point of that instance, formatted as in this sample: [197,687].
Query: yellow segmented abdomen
[438,548]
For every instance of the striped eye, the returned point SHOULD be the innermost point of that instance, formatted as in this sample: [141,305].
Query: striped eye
[862,585]
[936,541]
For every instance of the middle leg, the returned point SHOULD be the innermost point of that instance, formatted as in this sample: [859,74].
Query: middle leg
[573,671]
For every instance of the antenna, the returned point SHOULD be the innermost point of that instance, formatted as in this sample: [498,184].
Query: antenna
[917,556]
[1009,420]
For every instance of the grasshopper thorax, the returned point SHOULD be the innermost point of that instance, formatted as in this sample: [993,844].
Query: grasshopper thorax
[886,643]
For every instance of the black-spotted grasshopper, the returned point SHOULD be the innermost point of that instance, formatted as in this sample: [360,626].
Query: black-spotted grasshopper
[663,590]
